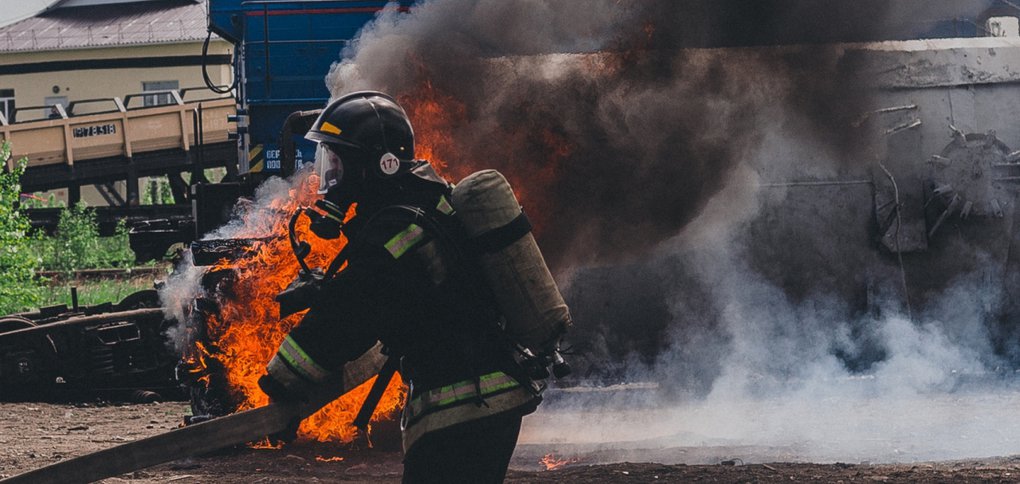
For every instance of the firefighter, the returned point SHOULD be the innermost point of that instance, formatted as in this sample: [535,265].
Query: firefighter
[409,284]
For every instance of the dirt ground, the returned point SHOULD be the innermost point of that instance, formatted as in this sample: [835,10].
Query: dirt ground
[35,434]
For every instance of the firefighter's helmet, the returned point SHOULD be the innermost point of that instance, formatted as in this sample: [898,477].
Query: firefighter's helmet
[363,129]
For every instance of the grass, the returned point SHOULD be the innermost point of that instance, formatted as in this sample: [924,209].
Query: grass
[91,292]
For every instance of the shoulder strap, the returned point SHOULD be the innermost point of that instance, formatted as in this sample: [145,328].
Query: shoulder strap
[395,229]
[375,394]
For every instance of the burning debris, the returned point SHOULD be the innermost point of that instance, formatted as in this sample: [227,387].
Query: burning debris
[232,328]
[335,458]
[551,462]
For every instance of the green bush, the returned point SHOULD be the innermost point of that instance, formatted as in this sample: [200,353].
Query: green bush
[19,289]
[157,192]
[117,249]
[77,245]
[77,239]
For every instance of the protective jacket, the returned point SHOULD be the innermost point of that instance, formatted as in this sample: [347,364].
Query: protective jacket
[410,284]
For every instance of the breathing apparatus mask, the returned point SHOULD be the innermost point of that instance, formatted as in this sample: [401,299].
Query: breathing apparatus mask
[327,216]
[328,167]
[362,137]
[326,221]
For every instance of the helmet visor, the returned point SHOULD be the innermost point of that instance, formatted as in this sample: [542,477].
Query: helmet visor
[328,167]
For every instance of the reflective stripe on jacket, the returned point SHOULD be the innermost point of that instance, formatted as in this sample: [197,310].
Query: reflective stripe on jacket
[462,402]
[294,369]
[409,283]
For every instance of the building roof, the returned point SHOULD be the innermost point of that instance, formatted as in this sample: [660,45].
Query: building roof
[78,27]
[90,3]
[15,10]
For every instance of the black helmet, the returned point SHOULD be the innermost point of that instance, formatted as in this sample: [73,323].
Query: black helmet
[367,128]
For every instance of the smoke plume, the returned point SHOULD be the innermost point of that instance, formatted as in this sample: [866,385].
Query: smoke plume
[613,149]
[652,143]
[655,146]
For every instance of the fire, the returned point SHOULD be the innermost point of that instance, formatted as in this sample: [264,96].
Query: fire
[552,462]
[434,116]
[438,118]
[335,458]
[195,362]
[247,329]
[266,444]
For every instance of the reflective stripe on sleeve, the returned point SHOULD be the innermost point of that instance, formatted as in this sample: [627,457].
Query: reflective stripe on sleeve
[444,206]
[284,375]
[403,241]
[300,361]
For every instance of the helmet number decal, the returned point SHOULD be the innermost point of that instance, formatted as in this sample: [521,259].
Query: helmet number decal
[389,164]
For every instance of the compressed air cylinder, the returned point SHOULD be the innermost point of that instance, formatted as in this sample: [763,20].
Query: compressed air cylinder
[531,302]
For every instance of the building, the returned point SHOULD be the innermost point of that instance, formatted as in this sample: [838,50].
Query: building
[82,53]
[15,10]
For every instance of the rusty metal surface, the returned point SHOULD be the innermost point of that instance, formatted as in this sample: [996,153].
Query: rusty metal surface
[108,350]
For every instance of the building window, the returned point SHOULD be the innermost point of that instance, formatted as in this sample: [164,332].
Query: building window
[7,104]
[162,98]
[53,101]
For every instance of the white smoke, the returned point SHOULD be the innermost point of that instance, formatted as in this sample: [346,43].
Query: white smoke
[177,296]
[252,218]
[687,254]
[736,302]
[779,392]
[779,387]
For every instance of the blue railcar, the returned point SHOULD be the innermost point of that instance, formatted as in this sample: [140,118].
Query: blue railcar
[284,49]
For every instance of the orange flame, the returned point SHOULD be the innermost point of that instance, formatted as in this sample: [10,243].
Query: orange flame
[437,116]
[194,362]
[434,115]
[247,331]
[552,462]
[335,458]
[266,444]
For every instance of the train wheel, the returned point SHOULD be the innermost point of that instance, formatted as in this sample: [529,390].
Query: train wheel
[148,298]
[11,323]
[26,363]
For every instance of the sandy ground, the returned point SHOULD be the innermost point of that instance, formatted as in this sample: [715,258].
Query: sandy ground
[35,434]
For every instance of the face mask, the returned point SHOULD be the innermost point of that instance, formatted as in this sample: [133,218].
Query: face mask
[329,168]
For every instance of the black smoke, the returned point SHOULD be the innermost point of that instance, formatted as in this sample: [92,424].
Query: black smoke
[650,128]
[618,122]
